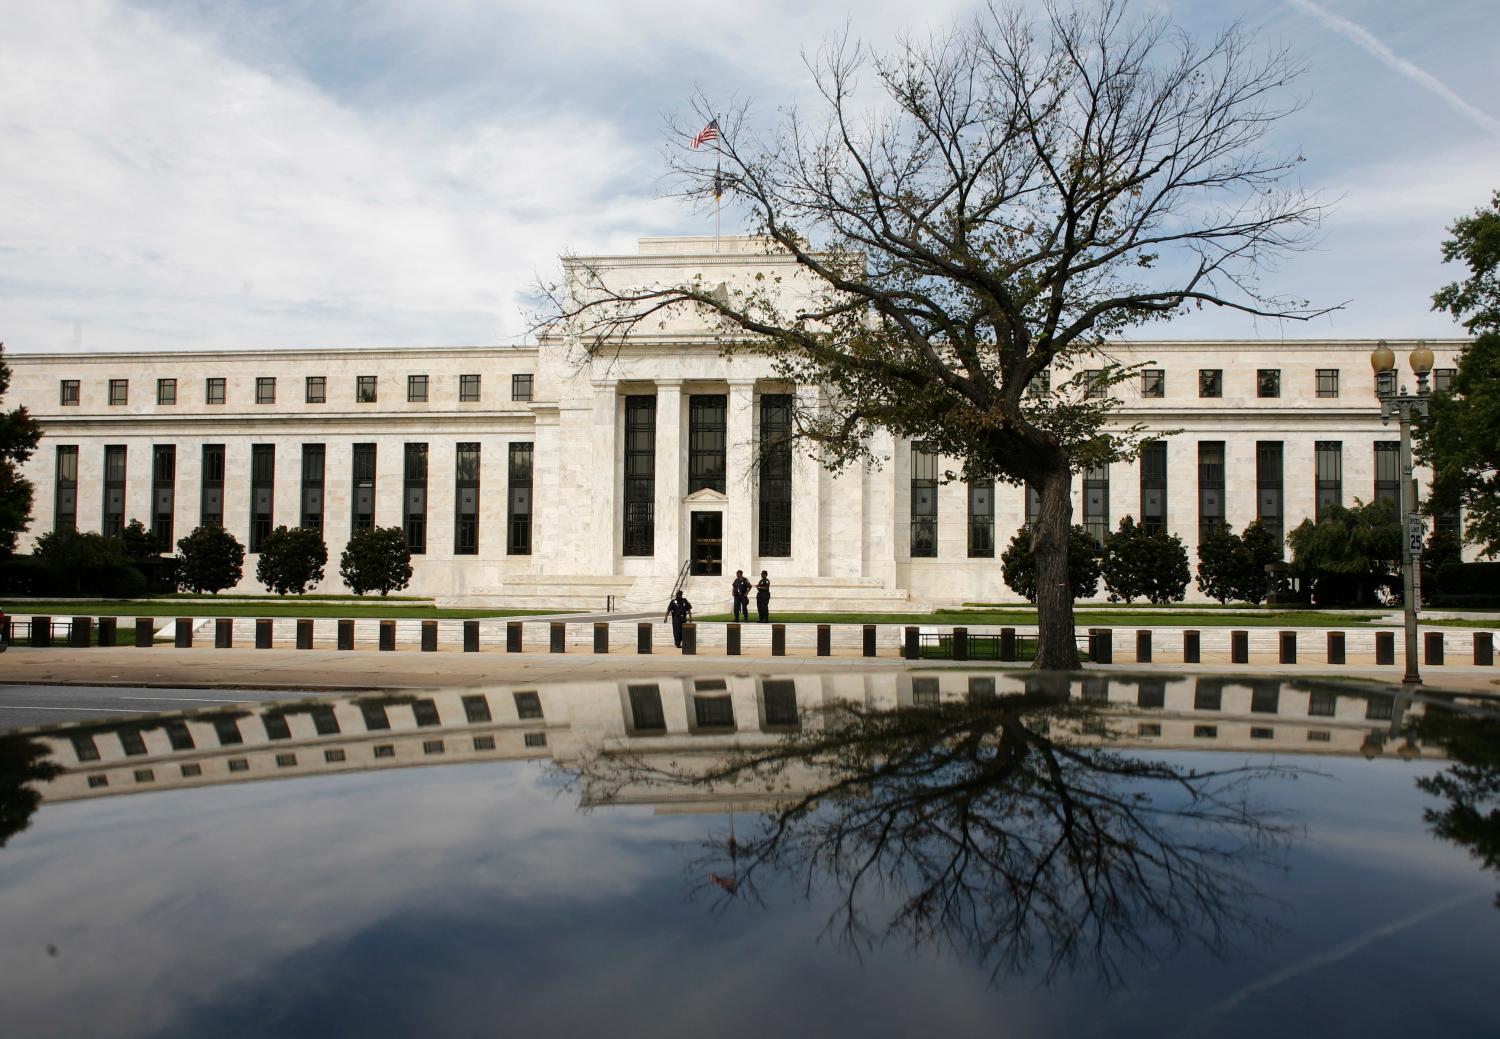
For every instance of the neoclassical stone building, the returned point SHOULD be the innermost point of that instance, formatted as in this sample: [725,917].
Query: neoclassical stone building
[533,476]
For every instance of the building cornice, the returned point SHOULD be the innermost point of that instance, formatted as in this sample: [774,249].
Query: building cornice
[278,353]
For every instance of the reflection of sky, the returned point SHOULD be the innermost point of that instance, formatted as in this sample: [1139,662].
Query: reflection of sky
[474,901]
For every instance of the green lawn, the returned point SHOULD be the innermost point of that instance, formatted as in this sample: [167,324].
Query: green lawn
[1100,618]
[287,607]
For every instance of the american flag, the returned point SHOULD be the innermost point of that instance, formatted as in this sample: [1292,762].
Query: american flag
[708,133]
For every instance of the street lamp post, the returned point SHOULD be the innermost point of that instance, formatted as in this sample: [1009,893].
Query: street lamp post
[1396,401]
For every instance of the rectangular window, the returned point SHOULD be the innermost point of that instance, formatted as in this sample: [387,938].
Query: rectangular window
[924,484]
[364,389]
[1210,382]
[1265,698]
[476,708]
[466,502]
[1210,487]
[163,494]
[776,474]
[468,388]
[645,709]
[925,692]
[713,712]
[213,391]
[1154,486]
[520,387]
[119,391]
[1208,697]
[265,389]
[228,732]
[65,491]
[1388,470]
[364,487]
[166,391]
[211,501]
[518,512]
[708,417]
[1328,461]
[69,391]
[535,739]
[1268,382]
[484,743]
[416,389]
[779,695]
[262,492]
[414,498]
[316,390]
[277,727]
[325,722]
[1033,505]
[334,756]
[314,465]
[1040,384]
[1328,382]
[114,490]
[1442,379]
[85,748]
[1096,501]
[376,719]
[1093,382]
[1268,488]
[180,736]
[132,742]
[528,705]
[982,519]
[425,713]
[640,476]
[1322,704]
[1153,382]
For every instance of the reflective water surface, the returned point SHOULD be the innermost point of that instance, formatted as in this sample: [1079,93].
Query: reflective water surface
[864,854]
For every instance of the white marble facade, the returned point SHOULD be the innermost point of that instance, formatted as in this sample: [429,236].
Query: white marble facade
[850,538]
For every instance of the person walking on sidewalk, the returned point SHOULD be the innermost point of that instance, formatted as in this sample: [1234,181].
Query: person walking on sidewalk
[763,597]
[679,610]
[740,592]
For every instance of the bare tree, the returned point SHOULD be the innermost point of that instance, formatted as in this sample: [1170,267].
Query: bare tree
[1021,193]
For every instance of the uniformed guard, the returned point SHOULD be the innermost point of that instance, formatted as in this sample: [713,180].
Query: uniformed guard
[763,597]
[679,611]
[740,592]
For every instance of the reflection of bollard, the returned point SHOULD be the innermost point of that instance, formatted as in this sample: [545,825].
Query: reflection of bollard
[223,633]
[106,631]
[869,640]
[1288,647]
[778,640]
[1192,647]
[913,643]
[429,636]
[1102,645]
[388,636]
[262,633]
[1432,647]
[1484,649]
[601,636]
[143,626]
[689,639]
[512,636]
[346,634]
[960,643]
[1336,647]
[41,632]
[732,639]
[1007,643]
[1143,646]
[643,637]
[304,633]
[80,631]
[182,635]
[557,637]
[1239,647]
[471,636]
[825,640]
[1385,647]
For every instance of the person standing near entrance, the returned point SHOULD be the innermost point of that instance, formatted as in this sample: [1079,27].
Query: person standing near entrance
[763,597]
[679,611]
[740,592]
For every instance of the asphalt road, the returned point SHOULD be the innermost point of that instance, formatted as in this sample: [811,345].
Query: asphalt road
[27,705]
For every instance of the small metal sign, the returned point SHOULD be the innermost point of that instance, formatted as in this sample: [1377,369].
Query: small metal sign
[1415,533]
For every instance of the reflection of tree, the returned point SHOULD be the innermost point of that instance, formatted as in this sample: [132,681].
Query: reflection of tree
[990,828]
[21,763]
[1471,785]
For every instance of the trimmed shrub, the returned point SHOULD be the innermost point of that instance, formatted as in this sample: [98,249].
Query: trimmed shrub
[1084,554]
[376,560]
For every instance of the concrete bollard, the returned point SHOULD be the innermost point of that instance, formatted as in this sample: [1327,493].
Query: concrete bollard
[1432,647]
[182,633]
[107,631]
[429,636]
[778,640]
[346,635]
[869,640]
[387,641]
[1239,647]
[1385,647]
[143,631]
[41,632]
[512,636]
[1287,645]
[557,637]
[732,639]
[1102,645]
[960,643]
[304,633]
[80,632]
[1143,646]
[825,640]
[263,633]
[601,636]
[223,633]
[471,636]
[1336,647]
[1192,647]
[1484,649]
[1007,643]
[912,642]
[643,637]
[689,639]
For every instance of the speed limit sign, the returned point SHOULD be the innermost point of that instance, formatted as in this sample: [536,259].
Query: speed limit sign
[1415,533]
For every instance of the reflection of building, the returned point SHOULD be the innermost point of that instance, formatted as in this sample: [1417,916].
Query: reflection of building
[523,475]
[679,719]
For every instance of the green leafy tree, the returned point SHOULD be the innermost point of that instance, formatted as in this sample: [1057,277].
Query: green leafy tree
[1026,189]
[1469,788]
[1348,553]
[376,560]
[1018,564]
[137,543]
[1233,566]
[291,560]
[88,560]
[1460,439]
[1145,564]
[212,559]
[19,434]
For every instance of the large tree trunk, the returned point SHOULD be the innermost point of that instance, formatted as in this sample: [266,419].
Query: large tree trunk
[1056,648]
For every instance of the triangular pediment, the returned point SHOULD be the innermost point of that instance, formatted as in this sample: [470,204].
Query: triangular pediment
[706,495]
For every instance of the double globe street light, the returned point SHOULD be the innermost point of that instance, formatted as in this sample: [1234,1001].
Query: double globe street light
[1396,401]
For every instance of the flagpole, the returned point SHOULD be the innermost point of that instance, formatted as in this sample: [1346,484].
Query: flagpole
[718,184]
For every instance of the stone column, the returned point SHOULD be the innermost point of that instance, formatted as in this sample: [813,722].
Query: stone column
[742,480]
[670,476]
[605,464]
[805,505]
[556,554]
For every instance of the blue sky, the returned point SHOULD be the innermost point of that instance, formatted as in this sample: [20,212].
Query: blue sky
[187,175]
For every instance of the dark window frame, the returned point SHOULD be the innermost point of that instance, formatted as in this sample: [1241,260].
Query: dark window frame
[981,507]
[519,500]
[1328,476]
[116,471]
[362,478]
[315,389]
[166,393]
[215,390]
[1212,465]
[639,504]
[1326,383]
[775,488]
[1154,383]
[469,389]
[467,461]
[1268,383]
[1096,509]
[924,501]
[262,478]
[69,392]
[418,388]
[265,389]
[65,488]
[163,494]
[1153,471]
[314,485]
[211,485]
[414,467]
[708,442]
[522,386]
[1210,383]
[1270,488]
[366,389]
[119,392]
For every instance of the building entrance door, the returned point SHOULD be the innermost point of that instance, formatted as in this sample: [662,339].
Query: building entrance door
[708,544]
